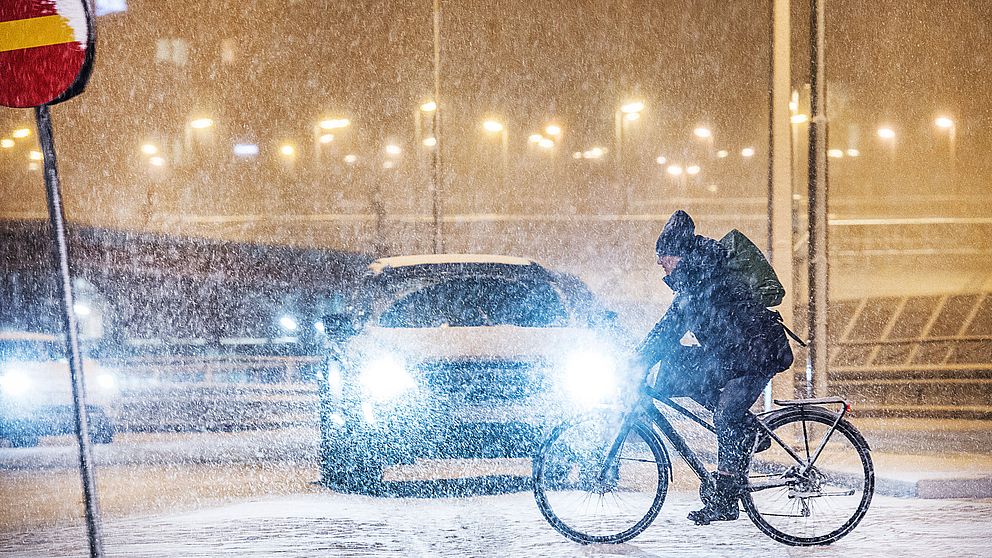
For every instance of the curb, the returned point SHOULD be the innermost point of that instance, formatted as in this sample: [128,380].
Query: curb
[935,489]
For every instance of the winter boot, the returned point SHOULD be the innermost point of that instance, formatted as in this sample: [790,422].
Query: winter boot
[722,504]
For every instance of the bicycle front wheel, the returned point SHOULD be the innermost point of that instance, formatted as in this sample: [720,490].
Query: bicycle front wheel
[805,498]
[592,499]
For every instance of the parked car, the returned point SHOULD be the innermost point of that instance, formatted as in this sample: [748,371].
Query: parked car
[470,356]
[36,401]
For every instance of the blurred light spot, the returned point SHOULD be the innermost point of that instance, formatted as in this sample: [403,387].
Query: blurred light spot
[694,169]
[335,123]
[661,160]
[287,150]
[149,149]
[577,155]
[853,153]
[631,116]
[81,309]
[106,381]
[288,323]
[21,133]
[492,126]
[429,106]
[799,118]
[944,122]
[430,141]
[201,123]
[156,161]
[35,155]
[886,133]
[534,138]
[747,152]
[393,149]
[326,138]
[6,143]
[546,143]
[319,326]
[702,132]
[552,130]
[632,107]
[389,165]
[245,149]
[594,153]
[722,154]
[713,188]
[835,153]
[105,7]
[351,159]
[674,170]
[33,166]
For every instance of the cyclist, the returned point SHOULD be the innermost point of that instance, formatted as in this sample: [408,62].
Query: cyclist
[716,344]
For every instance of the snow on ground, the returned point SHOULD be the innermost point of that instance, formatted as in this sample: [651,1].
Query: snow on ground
[324,523]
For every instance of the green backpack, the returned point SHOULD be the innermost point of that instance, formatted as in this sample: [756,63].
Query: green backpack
[751,264]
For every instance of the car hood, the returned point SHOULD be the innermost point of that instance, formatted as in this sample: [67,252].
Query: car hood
[492,342]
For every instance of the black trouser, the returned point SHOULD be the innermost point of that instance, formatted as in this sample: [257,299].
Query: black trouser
[690,373]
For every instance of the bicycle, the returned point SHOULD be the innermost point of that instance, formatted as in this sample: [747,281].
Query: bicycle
[811,486]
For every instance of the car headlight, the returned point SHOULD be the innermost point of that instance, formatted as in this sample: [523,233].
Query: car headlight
[15,383]
[590,377]
[385,377]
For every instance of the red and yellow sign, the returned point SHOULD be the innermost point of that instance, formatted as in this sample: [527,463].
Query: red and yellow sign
[46,51]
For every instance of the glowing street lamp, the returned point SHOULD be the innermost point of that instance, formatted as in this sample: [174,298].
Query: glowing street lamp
[21,133]
[674,170]
[287,150]
[552,130]
[632,116]
[661,160]
[334,123]
[201,123]
[693,170]
[149,149]
[944,122]
[393,149]
[429,106]
[534,138]
[886,133]
[492,126]
[430,141]
[546,143]
[835,153]
[350,159]
[799,118]
[853,152]
[747,152]
[35,155]
[6,143]
[703,132]
[156,161]
[722,154]
[632,107]
[326,138]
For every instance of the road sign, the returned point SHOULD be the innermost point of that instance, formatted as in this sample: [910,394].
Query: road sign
[46,51]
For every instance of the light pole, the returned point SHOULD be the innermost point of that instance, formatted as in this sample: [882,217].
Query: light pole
[629,111]
[945,123]
[493,127]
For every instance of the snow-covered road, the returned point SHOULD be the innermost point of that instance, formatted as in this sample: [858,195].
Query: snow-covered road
[323,523]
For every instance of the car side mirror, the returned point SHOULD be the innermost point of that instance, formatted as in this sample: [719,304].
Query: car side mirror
[339,326]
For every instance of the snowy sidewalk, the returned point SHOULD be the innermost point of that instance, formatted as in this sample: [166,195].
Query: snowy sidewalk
[324,523]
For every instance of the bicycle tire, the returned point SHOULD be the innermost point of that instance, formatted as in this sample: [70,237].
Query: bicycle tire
[539,477]
[863,473]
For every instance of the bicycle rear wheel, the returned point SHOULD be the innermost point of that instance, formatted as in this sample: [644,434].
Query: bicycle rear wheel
[589,500]
[817,505]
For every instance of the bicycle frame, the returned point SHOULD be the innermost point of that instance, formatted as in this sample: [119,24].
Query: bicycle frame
[646,406]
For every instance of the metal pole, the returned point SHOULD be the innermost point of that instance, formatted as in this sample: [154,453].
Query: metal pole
[436,178]
[57,216]
[780,187]
[817,172]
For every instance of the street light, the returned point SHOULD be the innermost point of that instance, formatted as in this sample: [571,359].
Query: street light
[430,141]
[835,153]
[799,118]
[201,123]
[350,159]
[552,130]
[944,122]
[35,155]
[703,132]
[853,152]
[6,143]
[632,107]
[156,161]
[693,170]
[747,152]
[429,106]
[334,123]
[661,160]
[326,138]
[21,133]
[149,149]
[534,138]
[546,143]
[886,133]
[674,170]
[393,149]
[287,150]
[492,126]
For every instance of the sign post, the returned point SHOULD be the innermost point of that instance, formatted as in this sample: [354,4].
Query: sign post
[46,56]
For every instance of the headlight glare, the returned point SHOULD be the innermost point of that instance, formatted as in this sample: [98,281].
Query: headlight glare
[385,377]
[15,383]
[590,377]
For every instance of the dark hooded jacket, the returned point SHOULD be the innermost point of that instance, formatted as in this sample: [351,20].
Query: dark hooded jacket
[738,336]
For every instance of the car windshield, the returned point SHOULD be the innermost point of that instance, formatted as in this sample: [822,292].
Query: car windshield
[475,302]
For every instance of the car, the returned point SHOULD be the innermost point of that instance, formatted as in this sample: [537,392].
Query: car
[36,400]
[458,356]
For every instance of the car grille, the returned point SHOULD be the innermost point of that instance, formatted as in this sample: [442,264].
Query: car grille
[483,380]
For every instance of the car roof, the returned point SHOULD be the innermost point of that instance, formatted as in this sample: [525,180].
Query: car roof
[395,262]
